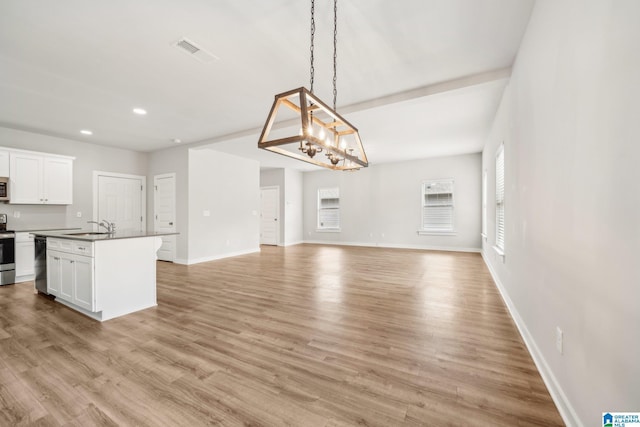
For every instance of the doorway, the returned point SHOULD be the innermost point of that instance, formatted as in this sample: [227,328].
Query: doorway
[269,215]
[120,199]
[164,213]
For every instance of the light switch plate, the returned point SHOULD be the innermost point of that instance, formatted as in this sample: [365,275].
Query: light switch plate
[206,213]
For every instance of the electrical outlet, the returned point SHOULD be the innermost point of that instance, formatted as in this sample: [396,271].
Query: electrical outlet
[16,214]
[559,338]
[79,214]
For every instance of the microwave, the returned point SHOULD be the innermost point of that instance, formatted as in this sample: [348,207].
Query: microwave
[4,189]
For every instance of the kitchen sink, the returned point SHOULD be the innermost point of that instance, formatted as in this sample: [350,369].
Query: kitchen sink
[89,233]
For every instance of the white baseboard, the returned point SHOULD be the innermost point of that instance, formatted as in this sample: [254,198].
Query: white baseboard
[26,278]
[567,412]
[298,242]
[395,246]
[215,257]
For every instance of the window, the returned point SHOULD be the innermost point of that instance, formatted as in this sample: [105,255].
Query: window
[500,198]
[437,206]
[329,209]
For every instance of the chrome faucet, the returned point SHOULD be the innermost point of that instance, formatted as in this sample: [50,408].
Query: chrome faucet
[109,226]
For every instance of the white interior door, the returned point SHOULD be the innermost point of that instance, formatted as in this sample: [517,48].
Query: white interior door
[121,200]
[164,213]
[269,213]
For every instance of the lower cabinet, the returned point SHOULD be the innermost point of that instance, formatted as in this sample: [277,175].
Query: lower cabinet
[24,255]
[70,277]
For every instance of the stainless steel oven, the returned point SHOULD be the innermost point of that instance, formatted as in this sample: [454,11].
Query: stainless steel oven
[7,257]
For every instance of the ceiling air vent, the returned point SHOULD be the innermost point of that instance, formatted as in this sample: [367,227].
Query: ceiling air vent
[194,50]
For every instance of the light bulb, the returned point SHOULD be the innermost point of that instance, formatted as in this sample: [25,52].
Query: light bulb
[321,134]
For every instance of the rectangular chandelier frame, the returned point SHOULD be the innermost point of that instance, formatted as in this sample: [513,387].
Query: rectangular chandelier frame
[342,139]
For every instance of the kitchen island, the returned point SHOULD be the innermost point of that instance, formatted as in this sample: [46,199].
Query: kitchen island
[103,275]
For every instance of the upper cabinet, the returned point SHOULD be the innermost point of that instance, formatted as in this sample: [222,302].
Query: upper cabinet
[4,163]
[38,178]
[58,181]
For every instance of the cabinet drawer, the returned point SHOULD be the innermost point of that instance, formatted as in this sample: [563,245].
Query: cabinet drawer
[82,248]
[79,247]
[24,237]
[63,245]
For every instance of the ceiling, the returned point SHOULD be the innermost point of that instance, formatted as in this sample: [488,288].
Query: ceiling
[421,78]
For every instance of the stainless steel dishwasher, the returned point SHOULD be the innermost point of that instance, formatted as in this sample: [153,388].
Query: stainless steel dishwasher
[40,264]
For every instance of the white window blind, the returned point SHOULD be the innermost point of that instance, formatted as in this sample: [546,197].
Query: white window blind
[500,198]
[437,205]
[484,204]
[329,208]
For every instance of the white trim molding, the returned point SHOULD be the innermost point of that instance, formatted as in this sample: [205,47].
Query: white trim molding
[394,246]
[215,257]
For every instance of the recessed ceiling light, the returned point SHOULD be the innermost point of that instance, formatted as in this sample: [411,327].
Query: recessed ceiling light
[140,111]
[86,132]
[176,140]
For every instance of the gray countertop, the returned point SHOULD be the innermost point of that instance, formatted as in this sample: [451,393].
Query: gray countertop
[72,235]
[45,228]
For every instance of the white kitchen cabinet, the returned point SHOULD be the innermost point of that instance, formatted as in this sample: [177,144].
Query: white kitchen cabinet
[58,181]
[70,273]
[83,283]
[110,276]
[40,179]
[53,273]
[25,173]
[24,255]
[66,276]
[4,163]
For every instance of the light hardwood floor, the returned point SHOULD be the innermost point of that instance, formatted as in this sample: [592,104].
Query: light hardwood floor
[307,335]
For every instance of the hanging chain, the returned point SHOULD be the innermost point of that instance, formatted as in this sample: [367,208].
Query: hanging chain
[313,32]
[335,52]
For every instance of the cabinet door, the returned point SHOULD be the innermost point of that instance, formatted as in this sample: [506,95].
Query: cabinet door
[83,282]
[25,178]
[4,163]
[25,258]
[53,273]
[66,276]
[58,181]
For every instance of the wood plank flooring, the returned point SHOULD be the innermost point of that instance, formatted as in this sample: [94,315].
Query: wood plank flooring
[307,335]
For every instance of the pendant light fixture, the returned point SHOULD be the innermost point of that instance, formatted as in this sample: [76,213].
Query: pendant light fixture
[303,127]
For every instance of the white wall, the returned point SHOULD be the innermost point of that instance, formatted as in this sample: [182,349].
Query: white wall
[381,205]
[174,160]
[89,158]
[569,121]
[228,187]
[290,184]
